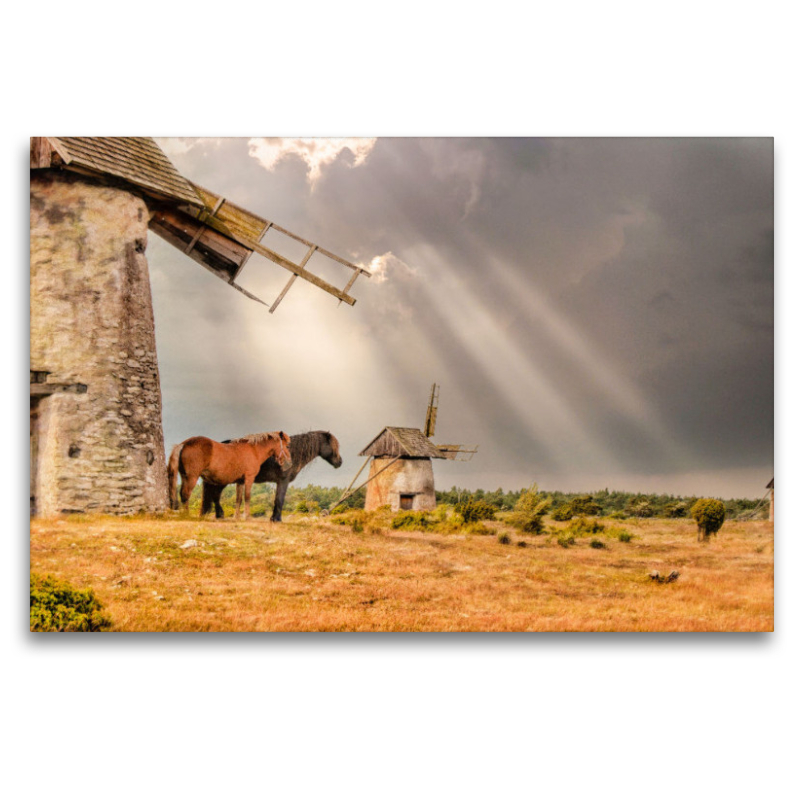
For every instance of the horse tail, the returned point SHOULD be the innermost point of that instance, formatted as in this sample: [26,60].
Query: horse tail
[173,467]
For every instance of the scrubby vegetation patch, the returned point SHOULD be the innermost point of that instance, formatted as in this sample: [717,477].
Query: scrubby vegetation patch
[58,606]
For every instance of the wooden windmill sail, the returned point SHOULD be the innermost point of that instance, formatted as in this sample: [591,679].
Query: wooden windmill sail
[453,452]
[211,230]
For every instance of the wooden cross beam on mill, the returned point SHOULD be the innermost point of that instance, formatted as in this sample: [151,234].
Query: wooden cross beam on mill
[96,436]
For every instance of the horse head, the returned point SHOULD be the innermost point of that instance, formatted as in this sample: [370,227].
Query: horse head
[330,450]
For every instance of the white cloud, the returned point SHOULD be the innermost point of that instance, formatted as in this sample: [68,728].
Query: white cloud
[317,153]
[390,266]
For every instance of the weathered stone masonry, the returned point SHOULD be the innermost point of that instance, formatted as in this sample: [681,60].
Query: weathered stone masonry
[102,449]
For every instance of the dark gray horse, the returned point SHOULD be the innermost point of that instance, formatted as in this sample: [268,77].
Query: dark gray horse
[304,448]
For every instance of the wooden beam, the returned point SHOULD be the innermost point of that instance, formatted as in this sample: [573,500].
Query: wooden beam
[245,292]
[44,389]
[190,246]
[294,277]
[348,493]
[282,262]
[282,294]
[250,252]
[321,250]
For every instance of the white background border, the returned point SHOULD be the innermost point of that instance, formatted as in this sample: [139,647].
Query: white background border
[392,715]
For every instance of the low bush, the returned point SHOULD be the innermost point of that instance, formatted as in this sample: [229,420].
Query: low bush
[586,505]
[58,606]
[624,536]
[597,544]
[504,538]
[411,521]
[529,511]
[477,528]
[566,541]
[641,508]
[585,527]
[675,510]
[562,513]
[475,510]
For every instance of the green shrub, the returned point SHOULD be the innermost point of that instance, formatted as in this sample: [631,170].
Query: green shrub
[478,528]
[57,606]
[597,544]
[530,510]
[641,508]
[411,521]
[624,536]
[585,527]
[618,515]
[504,538]
[586,505]
[566,541]
[709,514]
[675,510]
[475,510]
[522,543]
[562,513]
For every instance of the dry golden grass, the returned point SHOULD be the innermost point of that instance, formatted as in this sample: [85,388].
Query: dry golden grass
[312,574]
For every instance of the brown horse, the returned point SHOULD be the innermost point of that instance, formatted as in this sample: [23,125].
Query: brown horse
[221,464]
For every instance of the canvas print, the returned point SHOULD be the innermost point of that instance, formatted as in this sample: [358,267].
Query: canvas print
[401,384]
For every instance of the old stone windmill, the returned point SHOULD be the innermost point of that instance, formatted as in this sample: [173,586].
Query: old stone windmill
[96,437]
[401,468]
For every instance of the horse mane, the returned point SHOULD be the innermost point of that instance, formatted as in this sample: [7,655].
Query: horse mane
[303,447]
[256,438]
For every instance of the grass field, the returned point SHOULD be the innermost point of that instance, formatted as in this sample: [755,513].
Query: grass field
[355,573]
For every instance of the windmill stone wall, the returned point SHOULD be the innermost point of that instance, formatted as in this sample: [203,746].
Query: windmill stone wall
[96,440]
[409,479]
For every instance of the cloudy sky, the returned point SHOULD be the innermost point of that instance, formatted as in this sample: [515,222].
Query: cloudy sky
[597,312]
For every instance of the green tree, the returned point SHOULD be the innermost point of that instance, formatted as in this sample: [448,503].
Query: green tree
[530,510]
[709,514]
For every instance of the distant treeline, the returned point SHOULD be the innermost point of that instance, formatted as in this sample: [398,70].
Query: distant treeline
[601,503]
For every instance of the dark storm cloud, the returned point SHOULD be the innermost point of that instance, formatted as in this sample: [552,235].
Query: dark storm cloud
[590,305]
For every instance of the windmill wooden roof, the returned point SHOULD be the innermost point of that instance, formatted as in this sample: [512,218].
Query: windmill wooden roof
[408,442]
[136,159]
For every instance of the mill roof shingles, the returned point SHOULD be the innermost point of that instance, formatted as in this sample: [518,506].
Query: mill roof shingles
[410,442]
[136,159]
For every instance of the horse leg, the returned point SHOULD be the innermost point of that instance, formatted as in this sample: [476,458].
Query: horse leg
[187,485]
[239,488]
[218,512]
[248,485]
[211,497]
[205,505]
[280,496]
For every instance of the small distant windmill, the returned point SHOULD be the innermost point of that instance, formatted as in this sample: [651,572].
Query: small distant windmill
[401,472]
